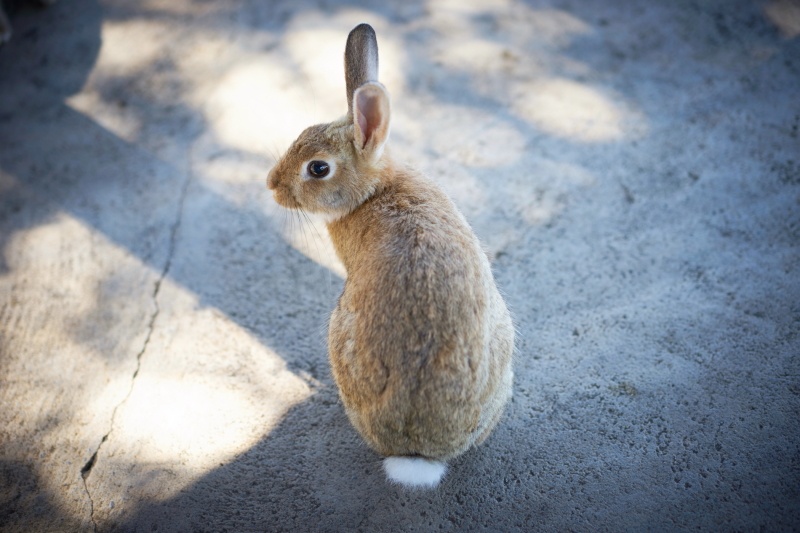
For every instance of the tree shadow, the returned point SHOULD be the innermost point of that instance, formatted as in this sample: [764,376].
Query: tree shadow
[134,200]
[311,472]
[56,161]
[226,241]
[26,506]
[314,473]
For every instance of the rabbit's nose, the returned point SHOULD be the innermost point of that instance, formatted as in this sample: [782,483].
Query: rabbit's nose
[271,181]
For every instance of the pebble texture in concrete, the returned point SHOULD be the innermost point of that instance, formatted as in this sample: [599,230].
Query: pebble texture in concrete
[633,170]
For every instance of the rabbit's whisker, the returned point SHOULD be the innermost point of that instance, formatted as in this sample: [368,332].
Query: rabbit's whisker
[319,255]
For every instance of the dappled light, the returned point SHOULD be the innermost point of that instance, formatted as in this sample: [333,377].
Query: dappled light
[514,20]
[171,414]
[572,110]
[107,114]
[182,7]
[262,103]
[257,93]
[201,418]
[314,42]
[785,14]
[176,418]
[117,55]
[630,172]
[256,107]
[512,61]
[482,140]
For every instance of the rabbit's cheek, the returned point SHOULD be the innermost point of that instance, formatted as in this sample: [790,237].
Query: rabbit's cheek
[336,199]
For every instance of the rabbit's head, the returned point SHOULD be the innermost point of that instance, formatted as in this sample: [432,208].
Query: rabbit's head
[333,168]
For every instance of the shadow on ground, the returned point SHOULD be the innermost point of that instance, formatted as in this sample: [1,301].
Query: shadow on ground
[663,453]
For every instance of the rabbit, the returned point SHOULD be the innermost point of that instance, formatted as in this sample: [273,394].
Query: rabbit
[421,341]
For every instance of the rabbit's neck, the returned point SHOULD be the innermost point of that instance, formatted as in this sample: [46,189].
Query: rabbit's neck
[368,231]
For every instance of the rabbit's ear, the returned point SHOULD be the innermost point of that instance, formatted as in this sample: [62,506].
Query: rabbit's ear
[371,116]
[360,60]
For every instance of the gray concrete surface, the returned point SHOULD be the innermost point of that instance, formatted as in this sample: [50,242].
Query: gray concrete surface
[634,170]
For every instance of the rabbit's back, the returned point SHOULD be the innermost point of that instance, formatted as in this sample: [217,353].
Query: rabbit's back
[421,341]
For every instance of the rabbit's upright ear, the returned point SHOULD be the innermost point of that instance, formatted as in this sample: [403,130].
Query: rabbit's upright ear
[371,116]
[360,60]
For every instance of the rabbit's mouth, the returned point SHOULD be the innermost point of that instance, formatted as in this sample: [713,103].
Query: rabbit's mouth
[286,200]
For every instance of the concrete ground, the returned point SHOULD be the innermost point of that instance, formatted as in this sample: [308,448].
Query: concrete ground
[633,169]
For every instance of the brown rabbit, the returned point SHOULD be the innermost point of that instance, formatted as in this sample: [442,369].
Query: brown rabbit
[421,341]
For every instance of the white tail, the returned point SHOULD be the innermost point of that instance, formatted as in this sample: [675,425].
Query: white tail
[414,472]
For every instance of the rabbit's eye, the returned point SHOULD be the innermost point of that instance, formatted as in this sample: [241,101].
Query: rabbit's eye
[318,169]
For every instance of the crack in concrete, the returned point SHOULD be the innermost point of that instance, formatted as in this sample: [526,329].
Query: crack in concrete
[86,470]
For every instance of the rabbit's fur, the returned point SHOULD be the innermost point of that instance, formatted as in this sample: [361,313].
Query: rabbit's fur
[421,341]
